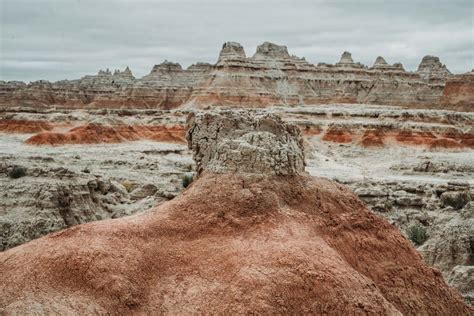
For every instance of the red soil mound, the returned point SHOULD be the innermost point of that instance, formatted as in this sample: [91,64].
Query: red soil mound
[466,139]
[338,135]
[310,130]
[94,134]
[230,244]
[372,138]
[415,138]
[447,143]
[24,126]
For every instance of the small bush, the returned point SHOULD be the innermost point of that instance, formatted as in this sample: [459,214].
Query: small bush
[17,172]
[417,234]
[128,185]
[187,180]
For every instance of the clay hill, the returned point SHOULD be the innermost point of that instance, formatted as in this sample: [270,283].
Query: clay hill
[270,77]
[252,234]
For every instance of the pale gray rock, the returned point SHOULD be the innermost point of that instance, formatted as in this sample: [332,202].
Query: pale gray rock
[456,199]
[245,141]
[346,61]
[432,68]
[450,247]
[462,278]
[270,50]
[143,191]
[231,50]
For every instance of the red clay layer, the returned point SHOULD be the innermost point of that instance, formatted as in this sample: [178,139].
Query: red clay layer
[24,126]
[94,134]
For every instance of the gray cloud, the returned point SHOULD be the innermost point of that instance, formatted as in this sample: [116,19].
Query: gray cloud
[58,39]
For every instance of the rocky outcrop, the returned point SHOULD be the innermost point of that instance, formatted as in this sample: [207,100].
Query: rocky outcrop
[346,61]
[271,51]
[231,51]
[229,232]
[381,64]
[432,69]
[245,142]
[270,77]
[458,92]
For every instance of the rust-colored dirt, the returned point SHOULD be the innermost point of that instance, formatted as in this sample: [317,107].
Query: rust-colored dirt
[458,93]
[372,138]
[447,143]
[310,130]
[230,244]
[94,134]
[466,139]
[338,135]
[24,126]
[415,138]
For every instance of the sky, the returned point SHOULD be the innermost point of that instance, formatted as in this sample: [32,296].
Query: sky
[67,39]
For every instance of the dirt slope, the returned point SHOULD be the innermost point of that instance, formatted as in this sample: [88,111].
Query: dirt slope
[230,244]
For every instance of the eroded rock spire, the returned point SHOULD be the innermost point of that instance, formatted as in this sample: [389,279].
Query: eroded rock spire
[245,141]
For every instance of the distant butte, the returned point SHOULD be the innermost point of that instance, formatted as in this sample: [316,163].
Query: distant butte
[270,77]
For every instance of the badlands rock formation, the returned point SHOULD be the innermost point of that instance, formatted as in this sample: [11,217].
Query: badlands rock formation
[237,241]
[270,77]
[245,142]
[459,91]
[86,167]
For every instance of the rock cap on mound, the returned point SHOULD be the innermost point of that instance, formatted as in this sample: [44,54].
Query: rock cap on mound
[346,61]
[431,67]
[346,58]
[166,67]
[245,141]
[231,50]
[380,61]
[271,50]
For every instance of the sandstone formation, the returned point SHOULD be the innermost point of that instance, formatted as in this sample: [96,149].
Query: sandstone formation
[270,77]
[255,242]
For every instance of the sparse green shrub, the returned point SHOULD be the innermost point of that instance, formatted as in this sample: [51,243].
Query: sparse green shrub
[417,234]
[187,180]
[127,185]
[17,172]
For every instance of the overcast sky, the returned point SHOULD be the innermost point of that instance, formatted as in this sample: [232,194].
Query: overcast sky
[66,39]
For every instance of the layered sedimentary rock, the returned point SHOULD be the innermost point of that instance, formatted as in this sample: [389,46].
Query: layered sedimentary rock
[381,64]
[237,241]
[271,76]
[459,91]
[98,133]
[432,69]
